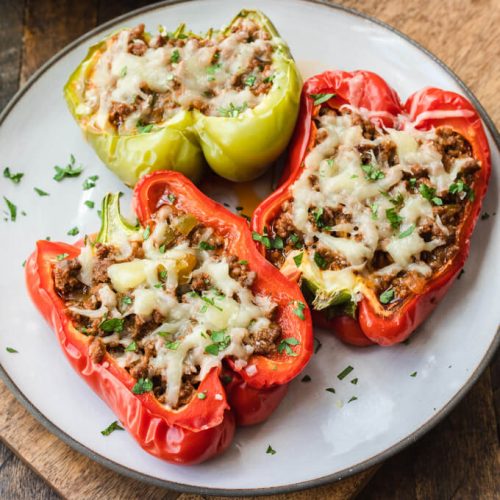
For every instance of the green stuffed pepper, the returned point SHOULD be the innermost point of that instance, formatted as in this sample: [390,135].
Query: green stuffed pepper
[179,100]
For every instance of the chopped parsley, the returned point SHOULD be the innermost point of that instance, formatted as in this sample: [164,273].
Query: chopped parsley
[393,217]
[15,178]
[429,193]
[285,344]
[204,245]
[209,302]
[73,231]
[298,259]
[320,98]
[232,111]
[11,350]
[127,300]
[374,210]
[299,309]
[173,345]
[372,173]
[89,203]
[171,197]
[485,215]
[354,398]
[414,374]
[112,325]
[407,232]
[220,341]
[387,296]
[144,128]
[413,182]
[343,374]
[162,248]
[250,80]
[459,187]
[262,238]
[330,389]
[114,426]
[12,209]
[62,256]
[270,450]
[146,233]
[354,381]
[90,182]
[123,72]
[320,260]
[142,385]
[202,395]
[306,378]
[175,57]
[40,192]
[269,79]
[68,171]
[132,347]
[243,262]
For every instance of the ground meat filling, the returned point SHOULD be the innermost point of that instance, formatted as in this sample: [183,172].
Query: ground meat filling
[438,172]
[139,343]
[140,80]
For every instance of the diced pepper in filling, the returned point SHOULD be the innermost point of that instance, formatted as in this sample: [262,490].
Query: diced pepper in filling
[139,80]
[168,303]
[374,209]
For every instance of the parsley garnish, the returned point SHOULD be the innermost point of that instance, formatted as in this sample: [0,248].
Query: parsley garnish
[330,389]
[220,341]
[232,111]
[40,192]
[387,296]
[89,183]
[306,378]
[11,350]
[62,256]
[112,325]
[269,79]
[171,197]
[262,238]
[201,395]
[162,248]
[250,80]
[374,210]
[414,374]
[173,345]
[393,217]
[73,231]
[212,69]
[460,187]
[243,262]
[127,300]
[209,302]
[320,261]
[142,385]
[68,171]
[123,72]
[298,259]
[299,309]
[354,398]
[175,58]
[132,347]
[144,128]
[15,178]
[372,173]
[146,233]
[270,450]
[321,98]
[354,381]
[112,427]
[206,246]
[12,209]
[429,193]
[343,374]
[285,344]
[89,203]
[407,232]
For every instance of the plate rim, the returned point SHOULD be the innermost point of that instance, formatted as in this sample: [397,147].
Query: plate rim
[292,487]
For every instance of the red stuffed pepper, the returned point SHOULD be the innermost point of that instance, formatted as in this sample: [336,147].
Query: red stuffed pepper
[378,203]
[178,323]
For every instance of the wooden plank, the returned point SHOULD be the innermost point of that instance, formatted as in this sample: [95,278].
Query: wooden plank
[11,38]
[109,10]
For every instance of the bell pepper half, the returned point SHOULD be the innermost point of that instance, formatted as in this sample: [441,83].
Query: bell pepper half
[370,322]
[238,148]
[231,394]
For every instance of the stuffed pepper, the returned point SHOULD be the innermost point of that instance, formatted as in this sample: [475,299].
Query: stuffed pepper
[377,204]
[178,100]
[178,323]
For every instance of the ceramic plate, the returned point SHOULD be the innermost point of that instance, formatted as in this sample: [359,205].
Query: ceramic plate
[319,436]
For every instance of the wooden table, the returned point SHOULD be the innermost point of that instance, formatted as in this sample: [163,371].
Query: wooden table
[460,457]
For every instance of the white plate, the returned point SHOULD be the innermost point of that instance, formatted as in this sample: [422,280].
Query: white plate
[318,435]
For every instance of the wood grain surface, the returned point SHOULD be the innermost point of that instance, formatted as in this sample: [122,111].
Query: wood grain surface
[460,458]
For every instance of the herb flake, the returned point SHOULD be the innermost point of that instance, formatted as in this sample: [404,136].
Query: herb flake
[114,426]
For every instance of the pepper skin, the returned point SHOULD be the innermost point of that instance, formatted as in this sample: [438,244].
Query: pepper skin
[239,149]
[203,427]
[427,108]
